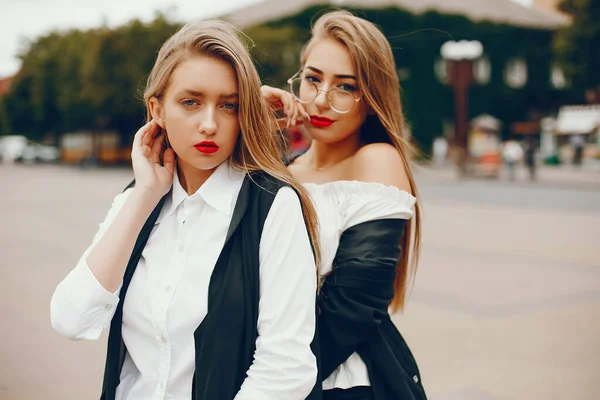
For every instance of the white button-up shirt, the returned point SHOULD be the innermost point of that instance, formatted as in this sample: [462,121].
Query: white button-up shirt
[168,295]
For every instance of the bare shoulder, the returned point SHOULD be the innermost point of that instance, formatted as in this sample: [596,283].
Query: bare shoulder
[380,163]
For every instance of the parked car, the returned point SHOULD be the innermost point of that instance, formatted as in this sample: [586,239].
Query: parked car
[11,148]
[39,153]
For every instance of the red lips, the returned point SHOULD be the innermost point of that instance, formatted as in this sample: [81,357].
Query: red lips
[320,122]
[206,147]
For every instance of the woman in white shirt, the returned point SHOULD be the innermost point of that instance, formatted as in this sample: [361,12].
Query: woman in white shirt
[357,172]
[211,244]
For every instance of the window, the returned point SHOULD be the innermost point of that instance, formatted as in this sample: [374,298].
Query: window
[557,78]
[482,71]
[515,73]
[441,70]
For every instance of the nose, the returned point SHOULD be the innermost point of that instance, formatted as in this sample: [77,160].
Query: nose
[321,100]
[208,123]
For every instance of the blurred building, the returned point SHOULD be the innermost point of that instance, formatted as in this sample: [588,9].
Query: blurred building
[578,124]
[500,11]
[93,147]
[517,80]
[547,5]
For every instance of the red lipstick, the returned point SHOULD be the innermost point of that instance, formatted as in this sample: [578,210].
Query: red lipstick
[207,147]
[320,122]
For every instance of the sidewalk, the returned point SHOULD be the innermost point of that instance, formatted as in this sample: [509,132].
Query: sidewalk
[585,177]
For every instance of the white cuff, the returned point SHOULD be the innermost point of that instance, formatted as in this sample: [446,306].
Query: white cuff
[88,297]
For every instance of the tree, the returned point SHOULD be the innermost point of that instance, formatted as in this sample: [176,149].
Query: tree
[115,71]
[88,80]
[276,51]
[577,46]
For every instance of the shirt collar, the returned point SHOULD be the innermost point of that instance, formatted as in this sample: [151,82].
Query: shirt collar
[219,191]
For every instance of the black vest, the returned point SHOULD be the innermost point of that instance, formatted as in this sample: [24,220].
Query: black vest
[225,341]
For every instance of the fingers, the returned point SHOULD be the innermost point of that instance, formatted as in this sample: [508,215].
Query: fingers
[294,110]
[272,96]
[143,139]
[289,103]
[141,133]
[284,123]
[169,160]
[280,99]
[303,113]
[148,138]
[157,148]
[146,151]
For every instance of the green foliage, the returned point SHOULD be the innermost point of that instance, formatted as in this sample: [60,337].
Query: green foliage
[94,79]
[578,45]
[84,80]
[115,71]
[276,51]
[416,42]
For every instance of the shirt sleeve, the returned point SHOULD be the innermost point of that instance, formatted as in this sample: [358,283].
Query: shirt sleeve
[81,308]
[284,366]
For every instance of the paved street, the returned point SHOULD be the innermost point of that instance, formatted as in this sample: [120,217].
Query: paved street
[506,304]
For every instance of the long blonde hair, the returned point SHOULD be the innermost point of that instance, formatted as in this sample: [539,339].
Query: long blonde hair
[378,83]
[259,146]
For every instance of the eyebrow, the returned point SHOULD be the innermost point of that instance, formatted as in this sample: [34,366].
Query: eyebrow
[196,93]
[339,76]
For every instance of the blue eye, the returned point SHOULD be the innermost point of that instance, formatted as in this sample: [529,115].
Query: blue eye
[189,102]
[313,79]
[231,106]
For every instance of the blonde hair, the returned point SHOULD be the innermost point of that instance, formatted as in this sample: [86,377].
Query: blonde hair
[258,147]
[378,83]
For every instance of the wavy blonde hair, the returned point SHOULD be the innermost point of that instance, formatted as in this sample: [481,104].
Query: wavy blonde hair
[259,146]
[374,62]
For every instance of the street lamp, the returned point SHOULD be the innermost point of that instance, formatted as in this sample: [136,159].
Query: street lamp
[459,57]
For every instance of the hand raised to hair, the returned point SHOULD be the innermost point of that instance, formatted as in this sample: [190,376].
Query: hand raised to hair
[150,176]
[281,100]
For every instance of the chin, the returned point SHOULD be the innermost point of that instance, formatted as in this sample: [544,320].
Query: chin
[203,162]
[208,166]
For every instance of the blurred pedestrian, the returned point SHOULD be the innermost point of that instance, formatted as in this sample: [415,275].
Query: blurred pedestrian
[210,243]
[512,152]
[577,143]
[530,157]
[357,172]
[440,151]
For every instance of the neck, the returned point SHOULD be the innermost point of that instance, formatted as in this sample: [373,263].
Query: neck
[324,155]
[192,178]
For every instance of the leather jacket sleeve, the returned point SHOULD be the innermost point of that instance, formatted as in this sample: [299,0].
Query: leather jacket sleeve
[355,296]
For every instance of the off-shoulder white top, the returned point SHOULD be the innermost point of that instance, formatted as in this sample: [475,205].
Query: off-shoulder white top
[339,206]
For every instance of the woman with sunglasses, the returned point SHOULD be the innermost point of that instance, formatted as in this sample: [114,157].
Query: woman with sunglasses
[357,172]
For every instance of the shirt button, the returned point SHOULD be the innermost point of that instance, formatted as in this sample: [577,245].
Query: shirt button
[163,339]
[416,379]
[108,307]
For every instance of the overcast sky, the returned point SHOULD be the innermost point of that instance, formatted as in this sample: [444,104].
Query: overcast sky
[22,20]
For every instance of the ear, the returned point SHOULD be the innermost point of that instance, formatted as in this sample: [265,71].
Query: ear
[156,110]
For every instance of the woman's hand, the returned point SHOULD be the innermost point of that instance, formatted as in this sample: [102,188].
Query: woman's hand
[281,100]
[150,176]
